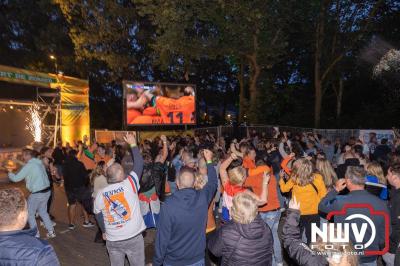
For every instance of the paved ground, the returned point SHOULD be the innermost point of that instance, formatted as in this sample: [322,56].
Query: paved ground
[76,247]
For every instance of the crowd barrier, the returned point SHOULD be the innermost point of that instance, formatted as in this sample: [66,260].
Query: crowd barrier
[239,132]
[270,131]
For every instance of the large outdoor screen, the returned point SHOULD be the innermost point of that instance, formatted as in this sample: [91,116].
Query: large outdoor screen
[148,103]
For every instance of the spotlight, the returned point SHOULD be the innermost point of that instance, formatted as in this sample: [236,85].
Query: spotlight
[11,107]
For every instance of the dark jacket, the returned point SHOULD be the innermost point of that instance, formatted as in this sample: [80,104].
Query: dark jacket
[381,153]
[335,202]
[274,160]
[58,156]
[394,204]
[75,174]
[181,238]
[296,249]
[23,248]
[153,176]
[243,244]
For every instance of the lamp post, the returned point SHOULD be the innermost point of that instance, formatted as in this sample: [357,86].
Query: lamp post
[52,57]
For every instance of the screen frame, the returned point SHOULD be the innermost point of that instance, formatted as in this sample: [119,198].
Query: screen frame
[124,109]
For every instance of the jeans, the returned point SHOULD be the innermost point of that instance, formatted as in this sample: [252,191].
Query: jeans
[305,225]
[37,203]
[272,218]
[199,263]
[133,248]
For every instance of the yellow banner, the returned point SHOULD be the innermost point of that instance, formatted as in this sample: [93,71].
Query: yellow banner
[75,117]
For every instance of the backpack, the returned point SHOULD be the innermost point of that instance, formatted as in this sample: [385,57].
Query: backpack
[147,180]
[171,171]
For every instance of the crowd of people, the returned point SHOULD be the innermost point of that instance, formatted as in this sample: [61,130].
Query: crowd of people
[214,201]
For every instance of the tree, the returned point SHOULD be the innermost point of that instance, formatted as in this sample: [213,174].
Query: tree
[340,25]
[249,32]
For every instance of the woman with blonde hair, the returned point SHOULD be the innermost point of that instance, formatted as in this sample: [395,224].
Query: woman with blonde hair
[98,181]
[325,168]
[246,239]
[308,188]
[375,181]
[98,178]
[232,183]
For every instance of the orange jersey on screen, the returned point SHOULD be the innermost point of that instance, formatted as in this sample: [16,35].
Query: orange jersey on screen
[131,115]
[176,111]
[147,120]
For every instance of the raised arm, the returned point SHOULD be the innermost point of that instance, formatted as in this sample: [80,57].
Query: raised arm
[141,102]
[212,183]
[224,165]
[235,151]
[25,170]
[329,202]
[136,155]
[263,198]
[164,149]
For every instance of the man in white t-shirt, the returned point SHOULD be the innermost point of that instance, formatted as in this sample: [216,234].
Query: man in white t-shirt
[118,213]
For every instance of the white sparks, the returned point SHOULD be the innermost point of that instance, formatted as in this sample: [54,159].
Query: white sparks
[34,125]
[389,62]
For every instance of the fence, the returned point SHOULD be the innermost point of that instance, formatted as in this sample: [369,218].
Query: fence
[270,131]
[105,136]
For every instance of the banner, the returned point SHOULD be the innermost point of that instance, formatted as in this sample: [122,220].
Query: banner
[75,117]
[380,134]
[106,136]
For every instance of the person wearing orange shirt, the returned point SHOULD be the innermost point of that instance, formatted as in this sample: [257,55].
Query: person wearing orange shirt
[249,161]
[172,110]
[232,181]
[176,111]
[271,212]
[86,156]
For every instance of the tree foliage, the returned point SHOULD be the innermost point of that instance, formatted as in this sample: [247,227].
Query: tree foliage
[285,62]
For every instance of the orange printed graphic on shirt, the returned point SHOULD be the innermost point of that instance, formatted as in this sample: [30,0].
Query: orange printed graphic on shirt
[176,111]
[116,211]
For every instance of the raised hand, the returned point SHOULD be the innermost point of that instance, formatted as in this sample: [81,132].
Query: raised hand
[340,184]
[234,156]
[130,138]
[163,138]
[266,177]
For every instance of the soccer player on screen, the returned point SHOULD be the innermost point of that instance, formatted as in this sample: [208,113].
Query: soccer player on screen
[171,111]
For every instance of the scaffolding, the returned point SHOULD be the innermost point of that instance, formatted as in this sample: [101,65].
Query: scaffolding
[49,111]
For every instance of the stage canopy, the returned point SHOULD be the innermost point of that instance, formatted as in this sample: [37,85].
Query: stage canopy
[74,94]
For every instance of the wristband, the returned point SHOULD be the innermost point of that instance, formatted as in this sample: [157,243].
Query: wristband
[210,161]
[132,145]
